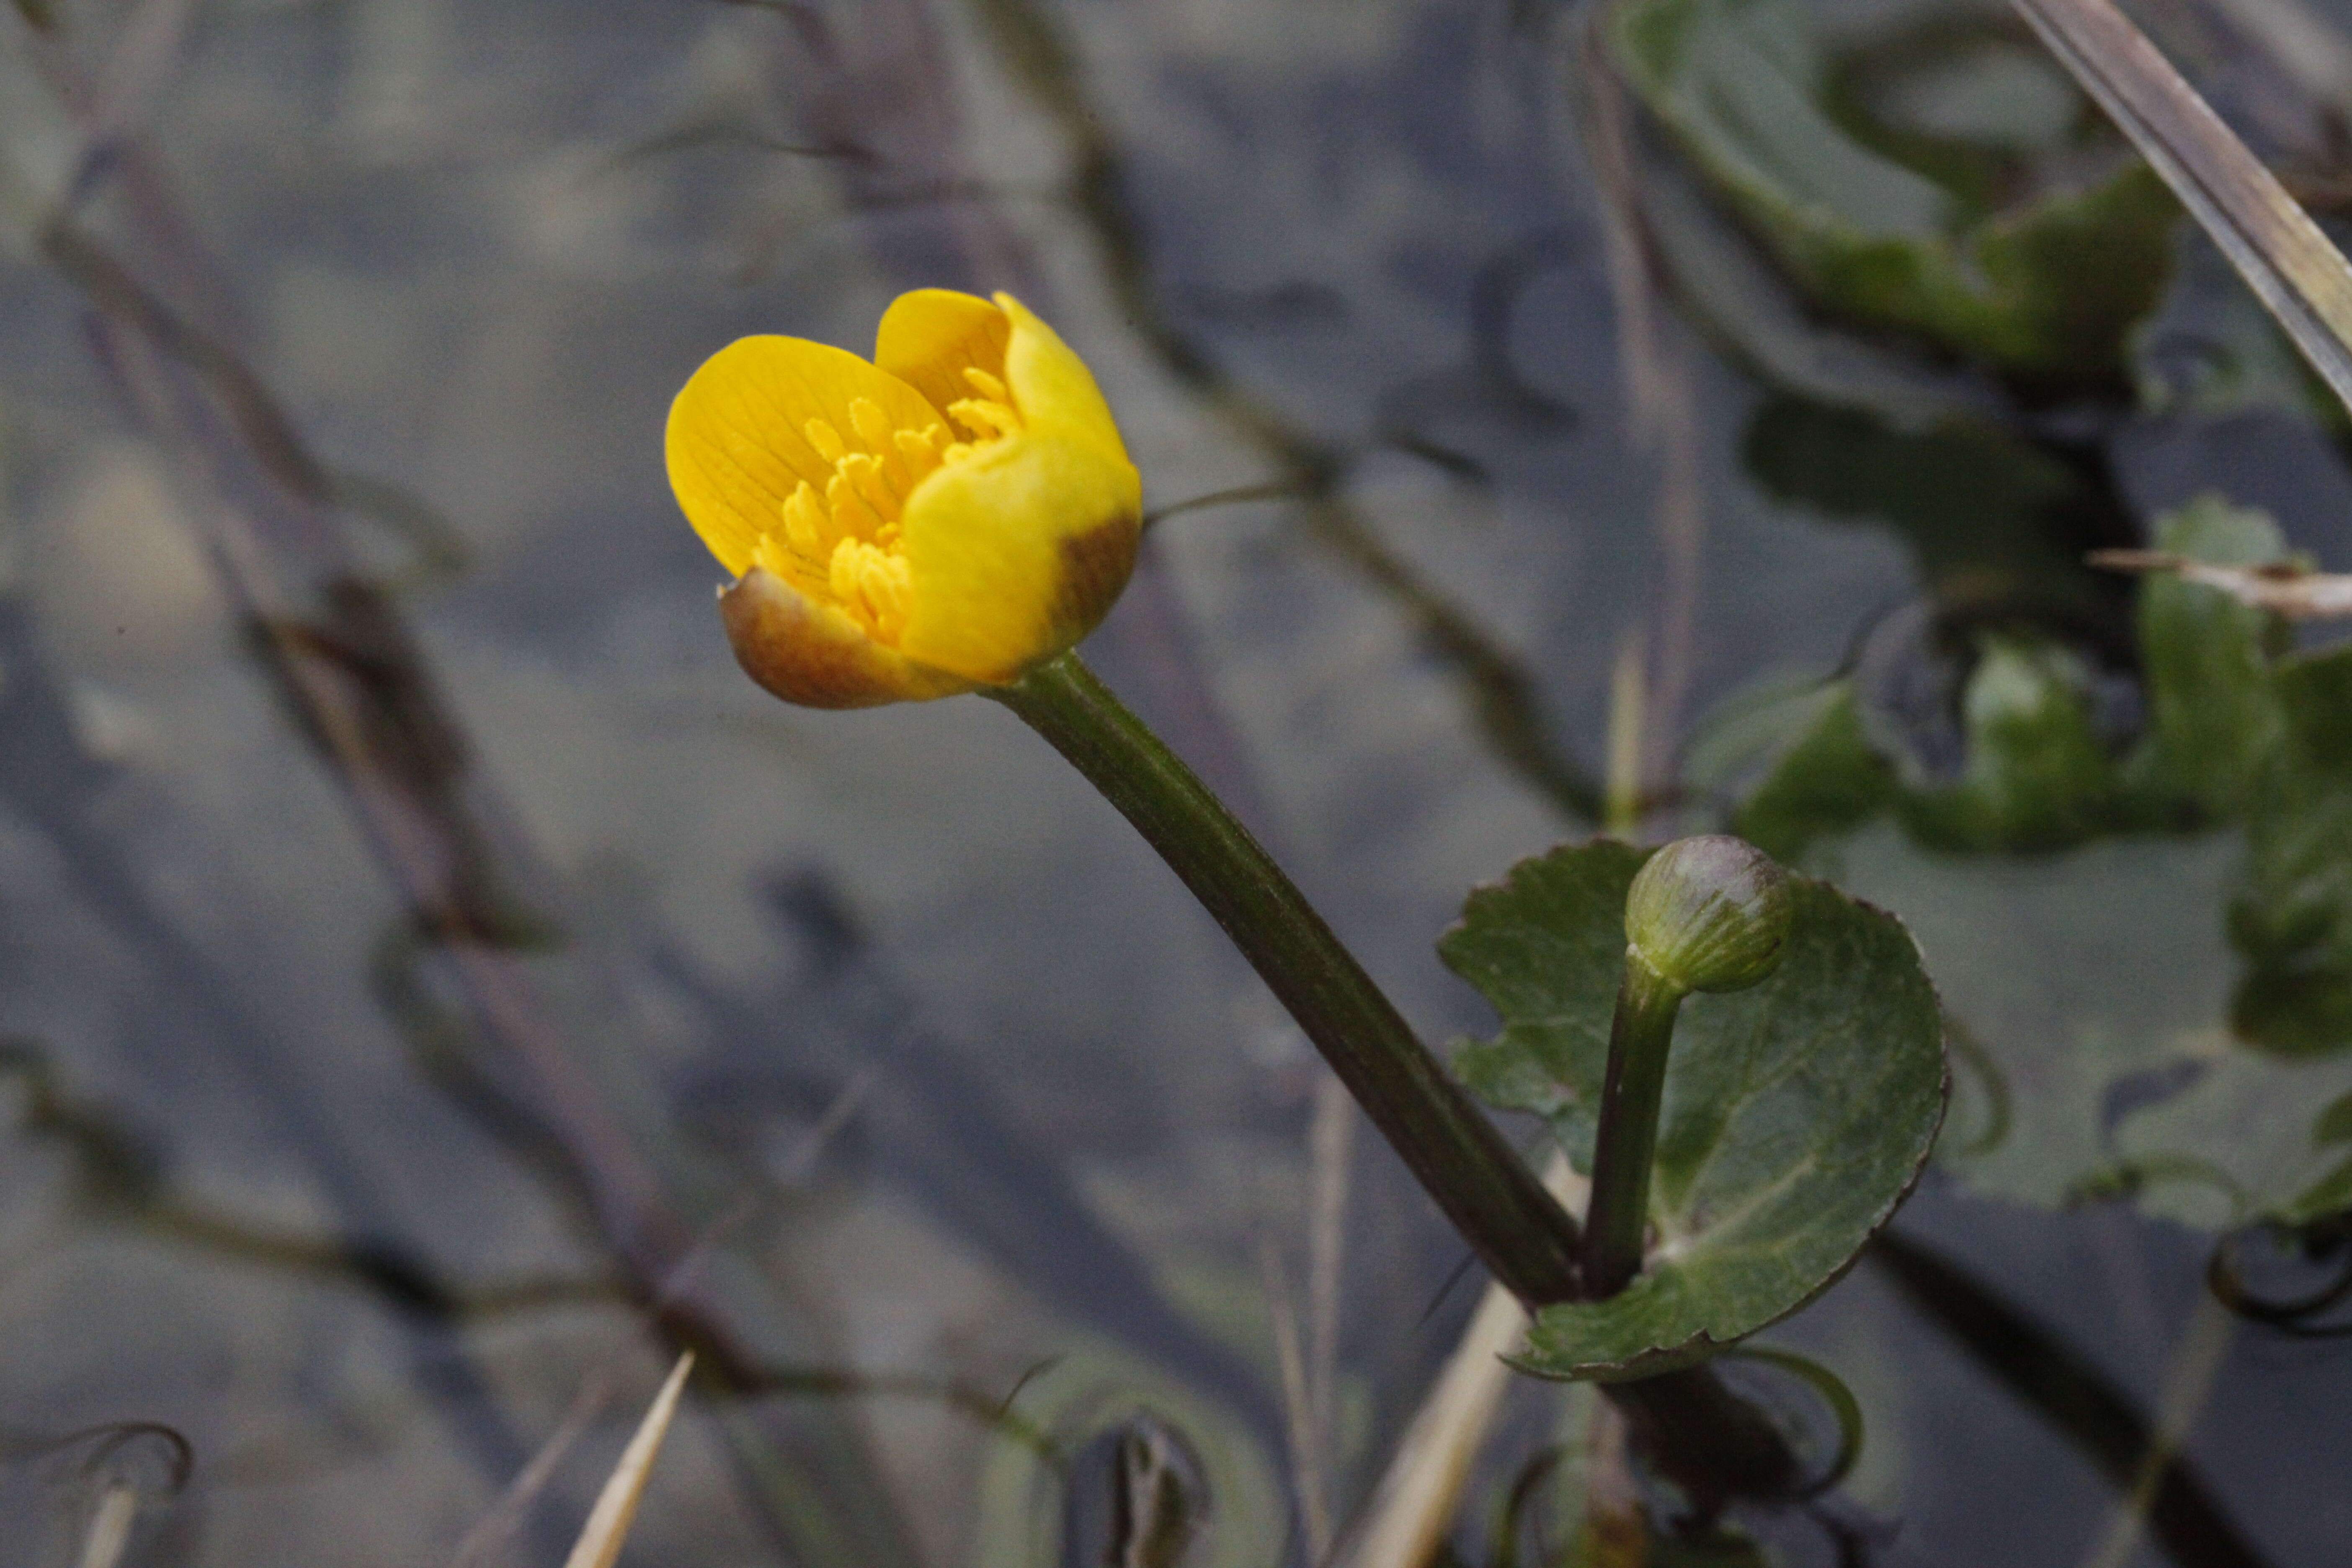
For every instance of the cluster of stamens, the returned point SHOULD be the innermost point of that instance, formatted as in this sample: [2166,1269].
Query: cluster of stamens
[843,544]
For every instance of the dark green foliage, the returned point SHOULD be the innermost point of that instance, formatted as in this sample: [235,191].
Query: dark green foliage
[1797,1113]
[2239,736]
[2036,258]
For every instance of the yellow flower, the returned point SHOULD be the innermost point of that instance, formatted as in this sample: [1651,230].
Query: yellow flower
[949,516]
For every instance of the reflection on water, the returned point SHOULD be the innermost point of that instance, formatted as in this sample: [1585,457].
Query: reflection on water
[431,979]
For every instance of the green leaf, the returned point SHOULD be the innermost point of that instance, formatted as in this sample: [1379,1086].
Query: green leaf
[1826,784]
[1991,519]
[2293,915]
[2163,1014]
[2335,1123]
[2213,719]
[1872,172]
[2036,777]
[1796,1114]
[2240,1143]
[2246,1127]
[2092,980]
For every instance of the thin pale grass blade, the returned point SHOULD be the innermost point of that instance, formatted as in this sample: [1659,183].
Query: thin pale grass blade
[1298,1404]
[1655,368]
[2196,1365]
[2285,590]
[617,1506]
[504,1518]
[1420,1492]
[2099,1423]
[1628,692]
[2300,278]
[1331,1140]
[110,1528]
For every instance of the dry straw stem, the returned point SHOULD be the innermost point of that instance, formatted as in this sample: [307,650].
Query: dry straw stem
[2196,1364]
[1330,1139]
[110,1528]
[2285,590]
[505,1516]
[1420,1492]
[2298,275]
[1299,1404]
[617,1505]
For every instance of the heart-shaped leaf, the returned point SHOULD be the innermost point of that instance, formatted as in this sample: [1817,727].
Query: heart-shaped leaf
[1797,1113]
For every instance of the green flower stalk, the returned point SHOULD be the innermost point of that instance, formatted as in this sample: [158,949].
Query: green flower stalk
[1517,1228]
[1704,914]
[1692,1429]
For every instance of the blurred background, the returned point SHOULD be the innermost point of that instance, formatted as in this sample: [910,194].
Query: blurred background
[434,983]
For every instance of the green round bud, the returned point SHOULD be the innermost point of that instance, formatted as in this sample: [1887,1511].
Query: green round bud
[1710,913]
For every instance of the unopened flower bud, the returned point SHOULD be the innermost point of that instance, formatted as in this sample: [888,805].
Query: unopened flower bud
[1709,913]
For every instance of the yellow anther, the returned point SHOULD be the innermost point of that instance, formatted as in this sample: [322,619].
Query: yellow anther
[866,477]
[921,446]
[988,421]
[805,522]
[852,516]
[844,578]
[987,386]
[873,585]
[957,451]
[873,425]
[826,439]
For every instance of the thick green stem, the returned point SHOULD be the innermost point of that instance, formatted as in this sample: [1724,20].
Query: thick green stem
[1515,1227]
[1627,1142]
[1711,1443]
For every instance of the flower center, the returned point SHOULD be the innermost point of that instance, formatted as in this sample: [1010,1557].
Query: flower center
[842,546]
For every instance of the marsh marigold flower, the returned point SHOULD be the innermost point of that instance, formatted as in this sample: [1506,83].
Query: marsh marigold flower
[949,516]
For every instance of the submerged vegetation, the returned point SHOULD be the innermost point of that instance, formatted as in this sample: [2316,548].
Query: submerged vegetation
[1820,517]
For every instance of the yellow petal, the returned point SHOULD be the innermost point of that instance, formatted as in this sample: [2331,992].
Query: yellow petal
[815,655]
[929,337]
[738,445]
[1017,552]
[1051,386]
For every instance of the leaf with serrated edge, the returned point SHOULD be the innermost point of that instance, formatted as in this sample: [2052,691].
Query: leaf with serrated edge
[1796,1114]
